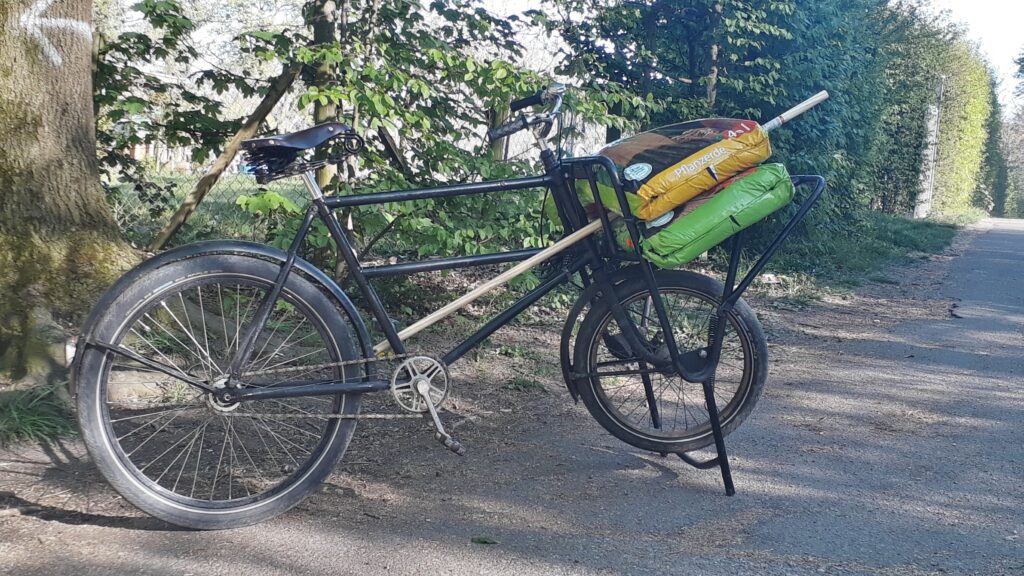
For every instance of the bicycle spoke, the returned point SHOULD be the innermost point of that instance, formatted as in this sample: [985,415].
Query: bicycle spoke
[216,473]
[162,355]
[277,351]
[150,423]
[164,453]
[188,442]
[150,414]
[255,468]
[200,431]
[199,458]
[621,381]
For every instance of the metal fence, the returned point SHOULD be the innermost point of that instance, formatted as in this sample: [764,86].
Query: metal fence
[143,211]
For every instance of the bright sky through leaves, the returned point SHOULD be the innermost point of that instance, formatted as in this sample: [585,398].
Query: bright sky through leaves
[996,26]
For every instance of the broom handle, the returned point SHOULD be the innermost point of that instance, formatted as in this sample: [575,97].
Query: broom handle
[796,111]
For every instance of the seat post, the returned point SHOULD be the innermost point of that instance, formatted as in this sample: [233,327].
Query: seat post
[309,179]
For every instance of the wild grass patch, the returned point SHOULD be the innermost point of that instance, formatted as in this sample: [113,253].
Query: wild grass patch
[524,384]
[848,255]
[35,414]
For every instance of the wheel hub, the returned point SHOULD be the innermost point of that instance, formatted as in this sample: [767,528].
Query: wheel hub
[216,403]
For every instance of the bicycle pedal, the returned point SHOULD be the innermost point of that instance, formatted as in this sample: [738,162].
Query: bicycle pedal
[450,443]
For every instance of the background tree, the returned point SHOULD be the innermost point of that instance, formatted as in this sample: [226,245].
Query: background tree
[59,245]
[881,62]
[1012,145]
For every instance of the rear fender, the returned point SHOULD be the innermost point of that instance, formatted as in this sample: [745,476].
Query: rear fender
[234,247]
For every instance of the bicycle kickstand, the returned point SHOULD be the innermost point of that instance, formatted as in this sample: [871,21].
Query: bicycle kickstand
[722,458]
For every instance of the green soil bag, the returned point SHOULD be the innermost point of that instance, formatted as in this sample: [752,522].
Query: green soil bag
[749,198]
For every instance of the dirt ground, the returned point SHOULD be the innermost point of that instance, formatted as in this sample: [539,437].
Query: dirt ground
[888,442]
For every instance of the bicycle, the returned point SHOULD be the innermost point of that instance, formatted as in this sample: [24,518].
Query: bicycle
[218,383]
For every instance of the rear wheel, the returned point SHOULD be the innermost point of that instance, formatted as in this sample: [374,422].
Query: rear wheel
[174,450]
[667,413]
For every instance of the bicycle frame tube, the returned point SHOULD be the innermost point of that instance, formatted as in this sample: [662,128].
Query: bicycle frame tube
[263,312]
[529,259]
[334,202]
[495,282]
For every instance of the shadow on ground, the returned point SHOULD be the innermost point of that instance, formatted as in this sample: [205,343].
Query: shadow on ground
[888,450]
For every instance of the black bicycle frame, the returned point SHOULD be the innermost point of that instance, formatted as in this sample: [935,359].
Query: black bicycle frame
[589,259]
[694,366]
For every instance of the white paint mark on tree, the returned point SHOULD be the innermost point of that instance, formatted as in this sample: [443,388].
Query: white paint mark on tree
[35,26]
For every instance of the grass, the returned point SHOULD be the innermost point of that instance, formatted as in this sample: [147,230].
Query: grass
[35,414]
[860,249]
[517,351]
[964,218]
[524,384]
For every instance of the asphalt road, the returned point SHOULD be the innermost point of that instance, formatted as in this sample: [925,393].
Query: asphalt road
[890,441]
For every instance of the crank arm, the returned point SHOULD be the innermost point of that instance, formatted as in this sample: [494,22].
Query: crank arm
[440,435]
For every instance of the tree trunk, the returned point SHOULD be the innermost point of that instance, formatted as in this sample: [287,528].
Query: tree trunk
[712,95]
[59,244]
[713,78]
[322,21]
[611,133]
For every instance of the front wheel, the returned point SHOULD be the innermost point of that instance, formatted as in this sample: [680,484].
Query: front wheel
[182,455]
[658,410]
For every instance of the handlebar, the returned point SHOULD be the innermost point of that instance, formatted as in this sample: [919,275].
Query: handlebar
[551,94]
[533,100]
[508,128]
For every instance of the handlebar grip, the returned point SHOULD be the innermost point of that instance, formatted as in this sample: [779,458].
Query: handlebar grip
[506,129]
[518,105]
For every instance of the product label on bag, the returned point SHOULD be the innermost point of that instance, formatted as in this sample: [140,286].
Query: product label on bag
[637,172]
[710,157]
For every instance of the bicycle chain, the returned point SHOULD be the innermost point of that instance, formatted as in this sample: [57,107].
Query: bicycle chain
[315,367]
[322,416]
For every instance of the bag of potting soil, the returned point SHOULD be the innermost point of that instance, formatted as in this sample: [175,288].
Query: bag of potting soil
[670,165]
[665,167]
[711,217]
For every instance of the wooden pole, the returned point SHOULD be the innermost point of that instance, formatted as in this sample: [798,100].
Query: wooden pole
[278,87]
[493,283]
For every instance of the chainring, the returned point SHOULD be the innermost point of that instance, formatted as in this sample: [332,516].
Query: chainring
[416,370]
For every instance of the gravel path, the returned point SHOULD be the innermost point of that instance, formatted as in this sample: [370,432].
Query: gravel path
[889,442]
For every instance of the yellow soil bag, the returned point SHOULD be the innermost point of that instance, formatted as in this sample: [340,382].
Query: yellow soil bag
[668,166]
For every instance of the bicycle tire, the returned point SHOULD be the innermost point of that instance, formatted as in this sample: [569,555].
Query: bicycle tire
[96,402]
[742,323]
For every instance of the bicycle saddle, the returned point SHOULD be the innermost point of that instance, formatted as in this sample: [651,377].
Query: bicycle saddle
[301,140]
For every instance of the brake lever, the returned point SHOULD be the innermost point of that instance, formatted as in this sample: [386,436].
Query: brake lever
[542,126]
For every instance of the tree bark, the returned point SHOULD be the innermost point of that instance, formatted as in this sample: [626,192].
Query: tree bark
[712,95]
[611,133]
[325,31]
[59,244]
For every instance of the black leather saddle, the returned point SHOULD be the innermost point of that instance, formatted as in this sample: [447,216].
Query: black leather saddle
[298,141]
[273,157]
